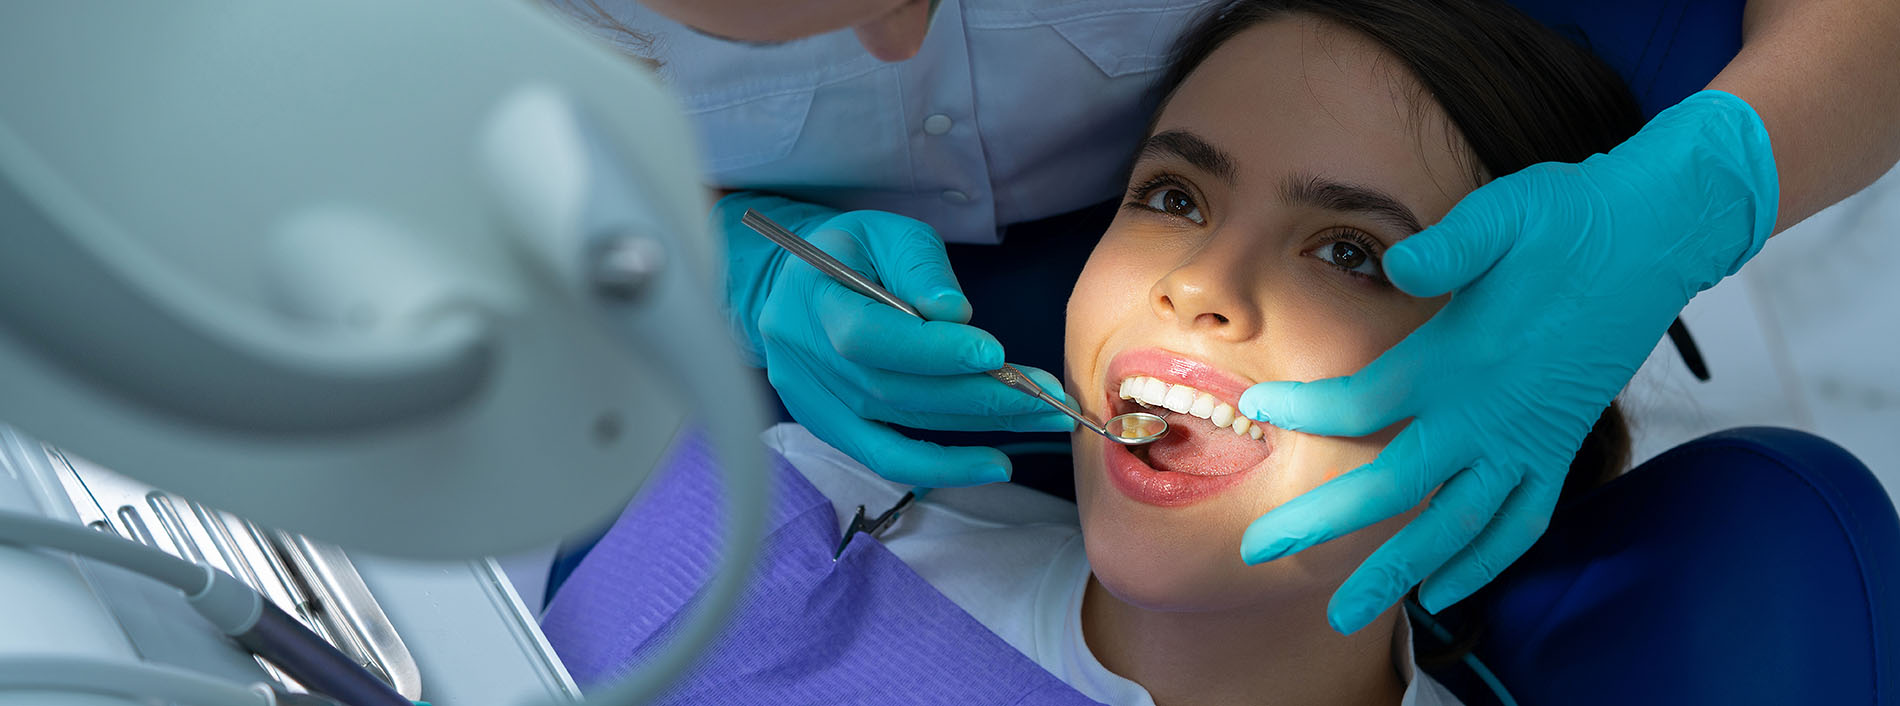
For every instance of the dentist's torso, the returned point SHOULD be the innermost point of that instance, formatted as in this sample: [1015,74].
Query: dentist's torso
[1013,110]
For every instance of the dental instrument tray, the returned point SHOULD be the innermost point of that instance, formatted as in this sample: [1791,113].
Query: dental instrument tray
[313,581]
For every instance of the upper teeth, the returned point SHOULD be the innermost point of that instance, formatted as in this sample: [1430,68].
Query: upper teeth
[1187,400]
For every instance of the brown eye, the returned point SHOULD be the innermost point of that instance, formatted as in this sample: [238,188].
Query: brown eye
[1348,255]
[1175,202]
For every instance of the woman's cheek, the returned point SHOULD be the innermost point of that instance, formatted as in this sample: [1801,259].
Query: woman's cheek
[1088,285]
[1109,286]
[1081,331]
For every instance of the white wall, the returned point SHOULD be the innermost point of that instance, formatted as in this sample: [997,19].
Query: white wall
[1807,336]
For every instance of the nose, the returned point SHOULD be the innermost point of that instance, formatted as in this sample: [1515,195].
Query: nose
[1211,292]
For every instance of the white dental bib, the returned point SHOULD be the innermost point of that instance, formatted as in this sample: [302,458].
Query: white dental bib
[1012,558]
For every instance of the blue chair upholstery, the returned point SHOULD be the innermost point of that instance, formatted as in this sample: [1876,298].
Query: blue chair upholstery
[1664,49]
[1751,566]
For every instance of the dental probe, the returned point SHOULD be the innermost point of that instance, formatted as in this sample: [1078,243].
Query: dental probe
[1132,429]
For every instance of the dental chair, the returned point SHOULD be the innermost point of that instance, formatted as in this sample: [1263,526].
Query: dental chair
[1751,566]
[1664,49]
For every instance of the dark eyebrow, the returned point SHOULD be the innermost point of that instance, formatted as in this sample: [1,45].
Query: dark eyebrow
[1189,146]
[1321,192]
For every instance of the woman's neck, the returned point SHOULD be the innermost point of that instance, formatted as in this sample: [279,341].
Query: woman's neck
[1287,655]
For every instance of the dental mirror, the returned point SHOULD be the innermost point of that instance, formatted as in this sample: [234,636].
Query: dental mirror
[1134,428]
[1131,429]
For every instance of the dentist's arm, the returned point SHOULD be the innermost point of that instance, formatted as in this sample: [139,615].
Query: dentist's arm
[1564,277]
[1824,75]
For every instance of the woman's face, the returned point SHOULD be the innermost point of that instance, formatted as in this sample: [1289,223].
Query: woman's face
[1248,249]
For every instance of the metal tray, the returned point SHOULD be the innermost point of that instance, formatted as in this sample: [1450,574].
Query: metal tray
[311,580]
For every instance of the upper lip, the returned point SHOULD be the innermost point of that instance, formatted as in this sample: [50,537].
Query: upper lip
[1175,369]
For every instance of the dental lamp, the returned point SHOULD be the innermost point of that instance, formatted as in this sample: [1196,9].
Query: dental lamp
[429,278]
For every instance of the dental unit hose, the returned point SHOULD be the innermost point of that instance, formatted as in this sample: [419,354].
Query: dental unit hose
[142,681]
[221,598]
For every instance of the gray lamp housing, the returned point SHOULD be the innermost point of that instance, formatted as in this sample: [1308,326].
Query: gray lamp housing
[338,266]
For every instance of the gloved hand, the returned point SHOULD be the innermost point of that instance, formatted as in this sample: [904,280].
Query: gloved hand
[1564,277]
[842,363]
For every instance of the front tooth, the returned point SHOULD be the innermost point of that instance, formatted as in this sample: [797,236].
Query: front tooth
[1152,391]
[1128,388]
[1180,399]
[1256,432]
[1223,415]
[1203,406]
[1242,424]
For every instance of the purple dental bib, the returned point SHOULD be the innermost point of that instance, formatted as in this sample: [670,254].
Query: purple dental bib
[865,629]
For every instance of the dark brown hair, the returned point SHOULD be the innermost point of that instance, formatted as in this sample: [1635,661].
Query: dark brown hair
[1516,91]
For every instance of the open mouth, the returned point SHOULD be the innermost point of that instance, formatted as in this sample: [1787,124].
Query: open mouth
[1209,447]
[1206,437]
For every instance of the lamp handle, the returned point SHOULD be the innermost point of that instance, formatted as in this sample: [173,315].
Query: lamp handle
[80,291]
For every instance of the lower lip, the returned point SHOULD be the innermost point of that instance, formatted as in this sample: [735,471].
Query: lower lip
[1151,487]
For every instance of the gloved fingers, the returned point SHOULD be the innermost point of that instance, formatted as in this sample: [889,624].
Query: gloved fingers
[1455,515]
[871,334]
[910,261]
[1518,524]
[970,394]
[886,452]
[1462,246]
[1355,405]
[1403,474]
[901,459]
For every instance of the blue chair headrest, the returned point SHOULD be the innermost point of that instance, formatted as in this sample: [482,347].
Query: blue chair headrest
[1664,49]
[1751,566]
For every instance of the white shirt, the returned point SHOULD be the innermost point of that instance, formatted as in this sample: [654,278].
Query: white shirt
[1012,558]
[1013,110]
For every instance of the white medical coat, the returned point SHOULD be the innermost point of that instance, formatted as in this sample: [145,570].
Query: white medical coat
[1013,110]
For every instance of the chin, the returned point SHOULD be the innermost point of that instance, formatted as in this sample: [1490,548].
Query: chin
[1187,559]
[1158,582]
[1186,572]
[1163,559]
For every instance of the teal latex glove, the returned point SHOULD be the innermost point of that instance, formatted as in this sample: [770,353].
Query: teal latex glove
[843,364]
[1564,277]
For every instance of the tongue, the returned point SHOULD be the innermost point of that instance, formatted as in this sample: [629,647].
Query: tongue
[1196,447]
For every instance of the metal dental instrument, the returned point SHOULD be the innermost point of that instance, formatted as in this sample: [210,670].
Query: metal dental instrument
[1132,429]
[876,526]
